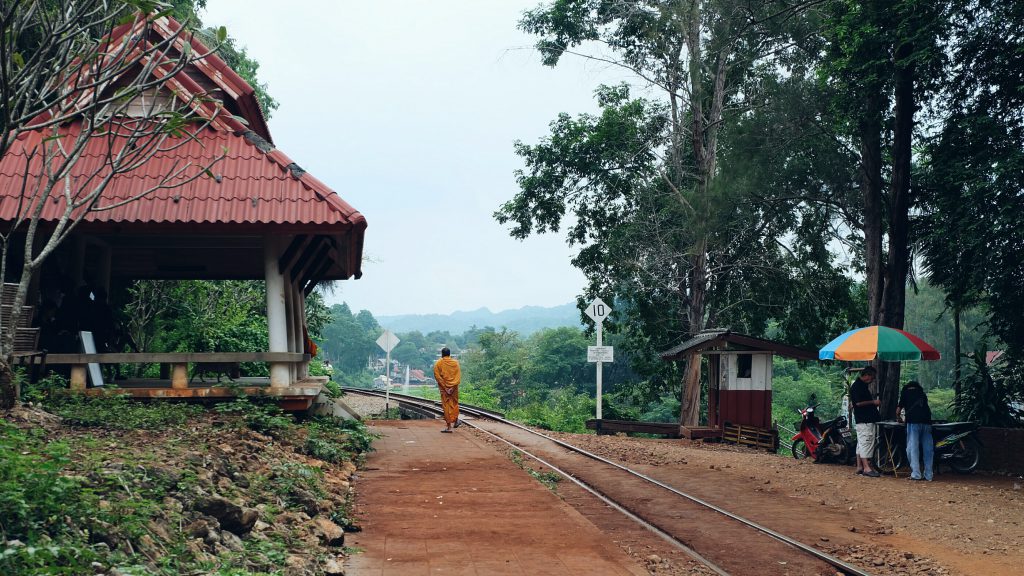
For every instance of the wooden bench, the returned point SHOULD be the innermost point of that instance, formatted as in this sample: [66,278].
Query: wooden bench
[604,427]
[179,362]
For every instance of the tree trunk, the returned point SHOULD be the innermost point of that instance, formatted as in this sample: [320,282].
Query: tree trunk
[898,265]
[690,401]
[956,352]
[9,392]
[690,409]
[871,184]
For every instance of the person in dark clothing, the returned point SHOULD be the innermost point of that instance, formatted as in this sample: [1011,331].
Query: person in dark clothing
[918,417]
[865,412]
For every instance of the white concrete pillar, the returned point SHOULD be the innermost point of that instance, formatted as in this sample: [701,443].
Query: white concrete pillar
[289,306]
[300,321]
[277,316]
[300,305]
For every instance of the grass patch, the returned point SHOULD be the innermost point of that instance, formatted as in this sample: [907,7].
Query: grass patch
[548,479]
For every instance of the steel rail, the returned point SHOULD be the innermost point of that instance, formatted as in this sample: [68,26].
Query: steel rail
[832,560]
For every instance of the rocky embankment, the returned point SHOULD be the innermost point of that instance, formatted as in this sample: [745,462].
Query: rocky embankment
[206,495]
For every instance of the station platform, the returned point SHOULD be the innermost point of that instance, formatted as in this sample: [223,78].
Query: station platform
[431,503]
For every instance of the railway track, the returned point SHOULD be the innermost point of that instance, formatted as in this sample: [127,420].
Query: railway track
[695,526]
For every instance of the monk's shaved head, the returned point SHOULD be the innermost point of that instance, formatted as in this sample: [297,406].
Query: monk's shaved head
[445,352]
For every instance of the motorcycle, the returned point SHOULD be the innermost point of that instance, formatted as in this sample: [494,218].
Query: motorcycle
[826,442]
[956,445]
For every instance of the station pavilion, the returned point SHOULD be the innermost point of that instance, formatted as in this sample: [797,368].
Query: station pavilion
[256,216]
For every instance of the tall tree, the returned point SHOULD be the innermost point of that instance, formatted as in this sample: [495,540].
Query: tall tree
[882,60]
[643,178]
[973,171]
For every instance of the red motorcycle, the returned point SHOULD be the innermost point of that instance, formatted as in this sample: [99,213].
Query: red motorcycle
[828,442]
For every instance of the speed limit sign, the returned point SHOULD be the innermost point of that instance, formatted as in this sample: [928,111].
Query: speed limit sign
[598,310]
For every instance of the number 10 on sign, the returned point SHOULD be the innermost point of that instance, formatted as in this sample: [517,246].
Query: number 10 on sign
[598,311]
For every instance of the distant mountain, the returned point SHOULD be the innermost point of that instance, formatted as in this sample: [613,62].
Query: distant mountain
[525,321]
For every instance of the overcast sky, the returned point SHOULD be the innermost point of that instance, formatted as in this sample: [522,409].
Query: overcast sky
[409,110]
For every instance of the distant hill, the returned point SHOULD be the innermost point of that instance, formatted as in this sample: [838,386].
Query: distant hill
[525,321]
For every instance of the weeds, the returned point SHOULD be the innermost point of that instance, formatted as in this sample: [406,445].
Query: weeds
[262,417]
[118,412]
[548,479]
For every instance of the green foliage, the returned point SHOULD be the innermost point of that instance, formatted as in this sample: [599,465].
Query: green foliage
[940,400]
[259,415]
[971,174]
[332,389]
[33,492]
[549,479]
[795,387]
[988,396]
[56,514]
[563,411]
[119,412]
[286,477]
[349,340]
[52,386]
[337,440]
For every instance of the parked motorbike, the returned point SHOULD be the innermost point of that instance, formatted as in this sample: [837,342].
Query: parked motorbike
[956,445]
[828,442]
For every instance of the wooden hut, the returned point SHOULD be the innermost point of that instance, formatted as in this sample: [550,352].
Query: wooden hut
[257,216]
[739,384]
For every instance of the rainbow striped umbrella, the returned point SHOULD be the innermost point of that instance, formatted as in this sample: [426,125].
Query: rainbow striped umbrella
[879,342]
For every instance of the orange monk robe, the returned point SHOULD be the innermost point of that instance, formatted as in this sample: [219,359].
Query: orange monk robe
[448,375]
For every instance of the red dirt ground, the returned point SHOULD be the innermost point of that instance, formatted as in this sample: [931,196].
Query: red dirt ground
[956,525]
[431,503]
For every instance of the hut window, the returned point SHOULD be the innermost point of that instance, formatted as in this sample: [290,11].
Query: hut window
[743,365]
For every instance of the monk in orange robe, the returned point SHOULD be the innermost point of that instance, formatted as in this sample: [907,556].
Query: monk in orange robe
[448,375]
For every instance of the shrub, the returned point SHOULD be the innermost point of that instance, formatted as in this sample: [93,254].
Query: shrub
[260,415]
[118,411]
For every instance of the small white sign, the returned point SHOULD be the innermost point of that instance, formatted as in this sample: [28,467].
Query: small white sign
[600,354]
[598,310]
[388,341]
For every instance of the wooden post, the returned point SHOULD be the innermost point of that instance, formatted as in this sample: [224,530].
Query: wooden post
[105,263]
[77,265]
[179,376]
[78,377]
[277,318]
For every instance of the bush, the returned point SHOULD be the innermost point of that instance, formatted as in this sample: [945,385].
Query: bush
[563,411]
[987,394]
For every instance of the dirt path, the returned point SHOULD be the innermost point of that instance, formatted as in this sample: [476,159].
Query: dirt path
[957,524]
[431,503]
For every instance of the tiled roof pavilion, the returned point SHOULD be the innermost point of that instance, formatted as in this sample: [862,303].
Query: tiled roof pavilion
[257,215]
[213,227]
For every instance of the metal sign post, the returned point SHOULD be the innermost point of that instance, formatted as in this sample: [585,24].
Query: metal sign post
[600,354]
[387,342]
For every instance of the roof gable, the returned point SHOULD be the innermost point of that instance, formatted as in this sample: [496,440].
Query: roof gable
[715,338]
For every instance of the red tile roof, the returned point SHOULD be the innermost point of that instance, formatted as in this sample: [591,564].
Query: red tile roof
[254,184]
[249,186]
